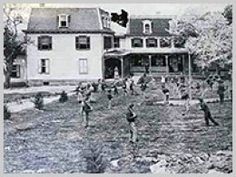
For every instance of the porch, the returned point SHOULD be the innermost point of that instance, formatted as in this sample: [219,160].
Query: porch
[155,63]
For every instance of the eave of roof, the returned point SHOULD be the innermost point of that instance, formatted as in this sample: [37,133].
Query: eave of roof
[67,31]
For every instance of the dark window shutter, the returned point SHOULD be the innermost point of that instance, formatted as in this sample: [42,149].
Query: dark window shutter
[88,42]
[147,42]
[69,18]
[50,43]
[76,42]
[39,43]
[58,20]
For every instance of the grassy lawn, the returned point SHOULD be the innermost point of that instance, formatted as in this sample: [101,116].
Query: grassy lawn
[54,140]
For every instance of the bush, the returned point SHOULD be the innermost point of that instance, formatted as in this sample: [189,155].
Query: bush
[38,101]
[63,97]
[95,162]
[7,113]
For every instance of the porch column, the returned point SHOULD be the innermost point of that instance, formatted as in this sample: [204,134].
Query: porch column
[183,63]
[167,63]
[172,43]
[103,67]
[150,64]
[122,66]
[158,43]
[190,76]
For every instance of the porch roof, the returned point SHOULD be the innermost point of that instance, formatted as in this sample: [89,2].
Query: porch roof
[116,53]
[159,51]
[123,52]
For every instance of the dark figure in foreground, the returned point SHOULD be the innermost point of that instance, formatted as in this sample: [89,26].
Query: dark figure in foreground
[86,108]
[115,89]
[109,96]
[207,113]
[124,87]
[220,91]
[131,87]
[166,92]
[131,117]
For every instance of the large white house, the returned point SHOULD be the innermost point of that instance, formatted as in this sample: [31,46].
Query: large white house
[74,44]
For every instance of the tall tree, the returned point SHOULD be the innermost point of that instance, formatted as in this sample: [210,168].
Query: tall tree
[121,19]
[14,44]
[207,36]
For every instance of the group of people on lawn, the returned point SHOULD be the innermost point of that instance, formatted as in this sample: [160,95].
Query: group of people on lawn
[85,97]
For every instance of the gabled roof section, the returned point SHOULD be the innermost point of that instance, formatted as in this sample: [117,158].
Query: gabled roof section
[160,25]
[81,20]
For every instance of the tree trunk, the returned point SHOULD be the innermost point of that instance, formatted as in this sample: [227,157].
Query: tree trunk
[7,82]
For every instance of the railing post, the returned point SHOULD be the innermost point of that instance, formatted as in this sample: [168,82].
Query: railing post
[150,64]
[167,64]
[122,66]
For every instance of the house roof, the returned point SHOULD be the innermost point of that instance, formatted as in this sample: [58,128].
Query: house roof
[160,25]
[81,20]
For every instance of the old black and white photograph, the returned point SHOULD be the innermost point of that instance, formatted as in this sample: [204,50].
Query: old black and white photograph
[117,88]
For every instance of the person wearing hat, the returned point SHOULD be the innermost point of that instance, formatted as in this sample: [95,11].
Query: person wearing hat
[131,117]
[207,113]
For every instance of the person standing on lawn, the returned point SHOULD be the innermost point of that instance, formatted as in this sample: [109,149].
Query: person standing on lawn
[109,96]
[115,90]
[166,92]
[131,117]
[86,108]
[124,87]
[186,97]
[207,113]
[80,99]
[163,81]
[103,85]
[116,73]
[131,86]
[221,90]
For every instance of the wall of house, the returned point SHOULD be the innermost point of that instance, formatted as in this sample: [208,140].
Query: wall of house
[64,59]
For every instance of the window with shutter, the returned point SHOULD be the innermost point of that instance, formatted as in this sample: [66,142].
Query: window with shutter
[82,42]
[44,42]
[15,72]
[44,66]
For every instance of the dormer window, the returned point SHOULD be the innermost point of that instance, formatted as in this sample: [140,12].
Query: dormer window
[147,27]
[106,21]
[63,20]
